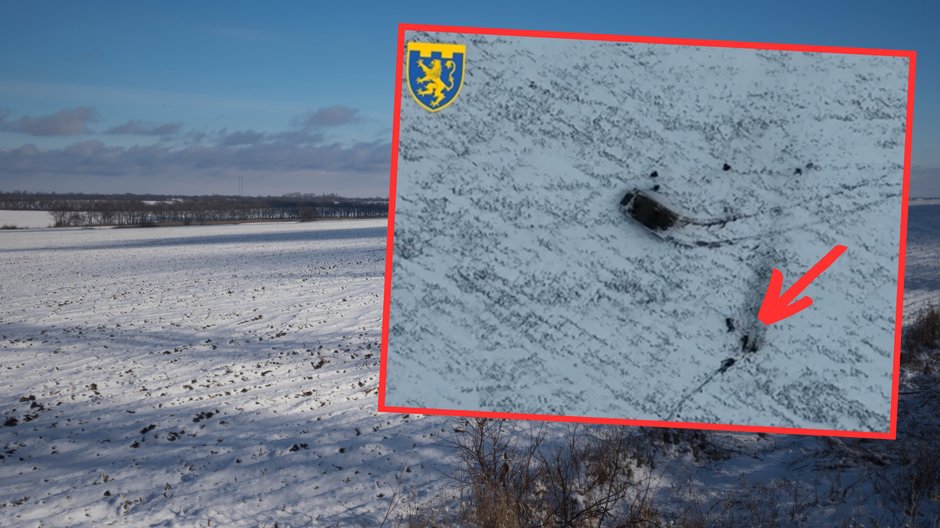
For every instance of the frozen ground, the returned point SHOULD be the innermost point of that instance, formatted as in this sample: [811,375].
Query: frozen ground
[25,218]
[274,329]
[221,374]
[519,285]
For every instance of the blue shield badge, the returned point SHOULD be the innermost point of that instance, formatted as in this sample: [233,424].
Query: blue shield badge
[435,73]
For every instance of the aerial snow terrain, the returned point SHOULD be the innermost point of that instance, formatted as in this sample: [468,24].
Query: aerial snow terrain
[223,374]
[519,284]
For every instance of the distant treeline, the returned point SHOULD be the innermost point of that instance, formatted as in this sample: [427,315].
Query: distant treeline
[78,209]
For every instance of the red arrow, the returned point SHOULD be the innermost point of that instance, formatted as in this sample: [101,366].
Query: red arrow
[777,307]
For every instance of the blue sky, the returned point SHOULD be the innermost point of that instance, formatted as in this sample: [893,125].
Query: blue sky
[180,97]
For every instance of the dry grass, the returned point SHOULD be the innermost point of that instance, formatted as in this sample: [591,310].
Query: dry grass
[509,478]
[923,333]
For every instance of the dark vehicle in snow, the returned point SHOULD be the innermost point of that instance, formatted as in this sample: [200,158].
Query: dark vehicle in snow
[648,211]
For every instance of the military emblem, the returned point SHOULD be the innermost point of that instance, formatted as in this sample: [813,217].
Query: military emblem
[435,73]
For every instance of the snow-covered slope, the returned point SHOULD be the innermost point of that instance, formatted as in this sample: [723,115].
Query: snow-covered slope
[179,376]
[519,285]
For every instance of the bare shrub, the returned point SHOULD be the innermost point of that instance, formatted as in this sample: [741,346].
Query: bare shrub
[919,478]
[923,333]
[749,505]
[510,478]
[496,472]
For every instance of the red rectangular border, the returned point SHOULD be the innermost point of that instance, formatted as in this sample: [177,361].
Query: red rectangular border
[891,434]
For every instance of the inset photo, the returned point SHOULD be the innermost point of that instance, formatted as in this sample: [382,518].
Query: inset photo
[639,231]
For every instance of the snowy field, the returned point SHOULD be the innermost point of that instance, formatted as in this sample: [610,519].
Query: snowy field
[226,376]
[25,218]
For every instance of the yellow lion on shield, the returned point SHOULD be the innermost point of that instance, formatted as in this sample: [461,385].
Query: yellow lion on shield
[433,84]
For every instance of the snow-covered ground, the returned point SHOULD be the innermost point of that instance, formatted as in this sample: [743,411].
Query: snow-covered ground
[25,218]
[226,375]
[195,374]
